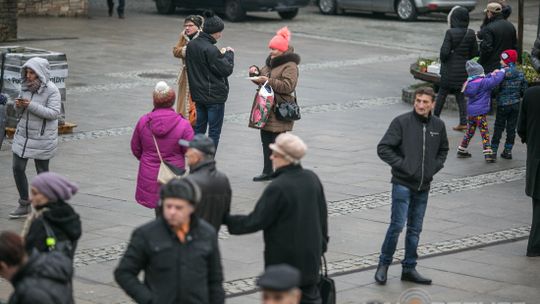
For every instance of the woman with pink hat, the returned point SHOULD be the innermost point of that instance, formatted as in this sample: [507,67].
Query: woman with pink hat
[281,72]
[161,129]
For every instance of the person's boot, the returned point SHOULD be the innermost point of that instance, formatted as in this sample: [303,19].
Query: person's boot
[460,128]
[22,210]
[506,154]
[111,9]
[411,275]
[381,274]
[121,15]
[463,153]
[262,177]
[488,156]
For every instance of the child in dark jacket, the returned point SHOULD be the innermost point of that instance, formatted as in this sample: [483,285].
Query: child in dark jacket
[478,89]
[512,89]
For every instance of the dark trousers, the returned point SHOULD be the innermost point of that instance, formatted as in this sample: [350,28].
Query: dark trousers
[210,117]
[460,99]
[407,207]
[19,173]
[267,138]
[2,123]
[121,5]
[533,247]
[507,118]
[310,295]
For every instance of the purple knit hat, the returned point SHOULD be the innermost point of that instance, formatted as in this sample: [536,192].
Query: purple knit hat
[54,186]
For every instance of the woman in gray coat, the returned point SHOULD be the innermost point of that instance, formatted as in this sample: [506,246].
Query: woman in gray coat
[38,107]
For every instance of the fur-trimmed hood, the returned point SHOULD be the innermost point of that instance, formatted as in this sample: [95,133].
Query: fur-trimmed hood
[289,56]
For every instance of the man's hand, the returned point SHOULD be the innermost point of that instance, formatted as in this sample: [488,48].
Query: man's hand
[22,103]
[229,49]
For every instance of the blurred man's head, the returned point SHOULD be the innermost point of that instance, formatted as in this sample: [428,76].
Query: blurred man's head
[286,150]
[199,149]
[12,254]
[178,200]
[279,284]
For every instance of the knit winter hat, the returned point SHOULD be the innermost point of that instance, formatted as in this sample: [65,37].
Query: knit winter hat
[212,23]
[54,186]
[281,40]
[196,19]
[474,68]
[509,56]
[290,146]
[164,95]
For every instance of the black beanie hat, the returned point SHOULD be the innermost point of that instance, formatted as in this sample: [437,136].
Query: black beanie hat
[212,23]
[196,19]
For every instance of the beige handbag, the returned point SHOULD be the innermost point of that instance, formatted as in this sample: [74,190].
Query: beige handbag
[167,171]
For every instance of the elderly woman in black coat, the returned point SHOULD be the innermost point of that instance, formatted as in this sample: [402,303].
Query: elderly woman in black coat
[459,46]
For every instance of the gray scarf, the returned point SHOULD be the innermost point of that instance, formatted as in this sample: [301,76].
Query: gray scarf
[33,86]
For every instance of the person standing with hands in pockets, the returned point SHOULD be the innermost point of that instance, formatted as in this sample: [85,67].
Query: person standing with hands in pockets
[36,137]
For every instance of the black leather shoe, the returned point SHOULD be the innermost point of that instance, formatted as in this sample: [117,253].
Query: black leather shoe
[381,274]
[263,177]
[413,276]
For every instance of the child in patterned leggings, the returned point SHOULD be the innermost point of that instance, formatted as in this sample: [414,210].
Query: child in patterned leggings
[478,90]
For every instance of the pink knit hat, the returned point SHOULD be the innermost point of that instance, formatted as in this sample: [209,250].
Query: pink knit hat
[290,146]
[281,40]
[164,95]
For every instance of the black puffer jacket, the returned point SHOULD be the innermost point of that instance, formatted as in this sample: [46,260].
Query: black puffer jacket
[174,272]
[497,36]
[216,192]
[292,212]
[535,54]
[44,279]
[459,46]
[416,148]
[208,70]
[64,221]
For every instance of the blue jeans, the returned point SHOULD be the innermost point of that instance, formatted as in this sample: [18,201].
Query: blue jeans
[407,206]
[210,116]
[507,118]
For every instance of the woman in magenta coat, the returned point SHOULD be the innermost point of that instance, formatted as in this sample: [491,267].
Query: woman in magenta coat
[168,128]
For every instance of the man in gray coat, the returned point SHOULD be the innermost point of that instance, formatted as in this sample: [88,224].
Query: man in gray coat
[38,107]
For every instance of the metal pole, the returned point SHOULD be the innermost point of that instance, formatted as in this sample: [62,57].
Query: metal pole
[520,29]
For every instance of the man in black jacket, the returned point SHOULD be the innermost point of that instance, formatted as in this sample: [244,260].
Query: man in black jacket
[178,253]
[43,278]
[415,146]
[215,188]
[497,36]
[292,212]
[208,69]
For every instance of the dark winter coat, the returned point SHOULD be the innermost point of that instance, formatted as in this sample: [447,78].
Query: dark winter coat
[535,54]
[64,222]
[416,148]
[529,131]
[174,272]
[513,86]
[282,73]
[216,192]
[44,279]
[208,70]
[497,36]
[459,46]
[292,213]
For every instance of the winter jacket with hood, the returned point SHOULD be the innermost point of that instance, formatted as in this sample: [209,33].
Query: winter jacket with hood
[478,90]
[497,36]
[282,73]
[529,131]
[216,192]
[208,70]
[513,86]
[168,127]
[459,46]
[37,131]
[416,148]
[292,213]
[175,272]
[63,220]
[44,279]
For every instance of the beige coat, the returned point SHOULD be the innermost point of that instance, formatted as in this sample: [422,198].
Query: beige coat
[184,105]
[282,73]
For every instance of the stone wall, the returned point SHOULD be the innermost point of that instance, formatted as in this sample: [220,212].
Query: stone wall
[8,20]
[68,8]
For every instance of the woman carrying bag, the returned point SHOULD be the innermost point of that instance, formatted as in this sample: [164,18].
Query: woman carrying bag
[155,141]
[184,105]
[281,73]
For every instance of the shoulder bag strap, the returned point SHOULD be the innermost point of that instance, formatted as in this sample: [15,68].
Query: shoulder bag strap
[157,148]
[462,39]
[324,267]
[50,241]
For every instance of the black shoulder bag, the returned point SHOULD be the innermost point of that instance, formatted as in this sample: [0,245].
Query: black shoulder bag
[327,286]
[287,110]
[66,247]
